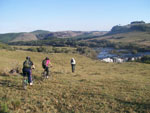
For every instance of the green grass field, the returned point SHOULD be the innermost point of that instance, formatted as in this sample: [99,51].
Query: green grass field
[95,86]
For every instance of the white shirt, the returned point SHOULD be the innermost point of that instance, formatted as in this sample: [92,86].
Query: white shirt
[74,62]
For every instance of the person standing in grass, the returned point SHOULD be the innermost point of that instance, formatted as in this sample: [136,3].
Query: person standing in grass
[73,64]
[45,64]
[27,69]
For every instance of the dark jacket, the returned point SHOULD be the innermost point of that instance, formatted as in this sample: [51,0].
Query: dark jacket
[30,63]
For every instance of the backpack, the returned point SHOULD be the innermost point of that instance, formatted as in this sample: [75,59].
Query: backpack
[27,64]
[72,61]
[44,63]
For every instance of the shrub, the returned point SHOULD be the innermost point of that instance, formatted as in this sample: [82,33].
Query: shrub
[56,50]
[41,49]
[134,51]
[87,51]
[64,50]
[145,59]
[5,46]
[4,108]
[32,49]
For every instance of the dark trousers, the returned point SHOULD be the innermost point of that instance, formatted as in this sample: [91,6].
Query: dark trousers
[27,72]
[73,67]
[47,71]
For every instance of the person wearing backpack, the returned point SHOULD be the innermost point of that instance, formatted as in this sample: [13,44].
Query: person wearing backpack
[45,64]
[73,63]
[27,69]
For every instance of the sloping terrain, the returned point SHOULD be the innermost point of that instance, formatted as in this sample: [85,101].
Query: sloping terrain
[8,37]
[74,34]
[94,87]
[42,35]
[25,37]
[133,26]
[135,32]
[142,38]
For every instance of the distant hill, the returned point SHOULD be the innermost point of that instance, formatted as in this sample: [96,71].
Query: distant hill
[136,32]
[8,37]
[25,37]
[42,35]
[68,34]
[40,32]
[139,26]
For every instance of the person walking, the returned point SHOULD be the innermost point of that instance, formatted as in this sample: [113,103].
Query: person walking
[27,69]
[73,63]
[45,64]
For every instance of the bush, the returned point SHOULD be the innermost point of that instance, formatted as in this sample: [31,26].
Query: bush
[41,49]
[4,108]
[32,49]
[64,50]
[5,46]
[56,50]
[145,59]
[87,52]
[134,51]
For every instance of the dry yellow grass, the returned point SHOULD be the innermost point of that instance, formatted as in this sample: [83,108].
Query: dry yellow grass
[94,87]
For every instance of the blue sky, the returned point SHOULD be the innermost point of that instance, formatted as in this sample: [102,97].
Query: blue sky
[61,15]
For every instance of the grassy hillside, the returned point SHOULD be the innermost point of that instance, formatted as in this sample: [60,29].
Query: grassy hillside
[42,35]
[14,37]
[134,26]
[142,38]
[40,32]
[94,87]
[8,37]
[25,37]
[137,32]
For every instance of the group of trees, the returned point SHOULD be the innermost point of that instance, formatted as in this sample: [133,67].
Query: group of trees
[5,46]
[84,43]
[50,49]
[81,45]
[87,51]
[120,45]
[81,50]
[145,59]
